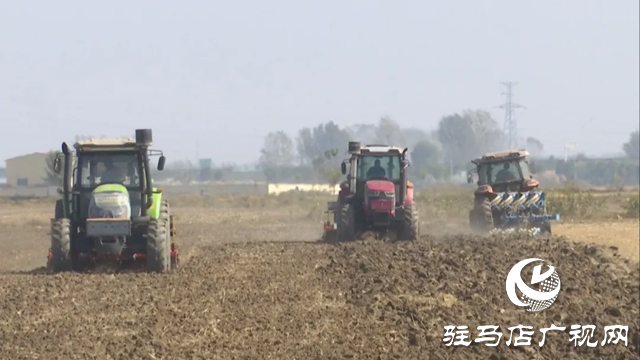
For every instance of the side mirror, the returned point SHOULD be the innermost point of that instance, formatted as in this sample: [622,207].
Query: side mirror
[343,168]
[532,167]
[161,162]
[405,164]
[65,148]
[57,165]
[469,178]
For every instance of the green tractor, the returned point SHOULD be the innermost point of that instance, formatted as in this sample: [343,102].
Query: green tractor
[110,212]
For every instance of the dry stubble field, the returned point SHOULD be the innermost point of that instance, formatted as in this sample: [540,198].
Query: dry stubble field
[255,283]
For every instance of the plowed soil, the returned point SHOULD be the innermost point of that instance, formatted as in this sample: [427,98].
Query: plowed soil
[256,285]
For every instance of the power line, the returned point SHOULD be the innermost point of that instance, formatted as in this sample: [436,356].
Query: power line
[510,123]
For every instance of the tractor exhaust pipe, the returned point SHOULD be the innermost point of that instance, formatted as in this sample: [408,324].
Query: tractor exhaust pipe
[403,178]
[66,179]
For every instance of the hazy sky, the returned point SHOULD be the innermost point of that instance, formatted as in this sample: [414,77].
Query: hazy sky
[213,77]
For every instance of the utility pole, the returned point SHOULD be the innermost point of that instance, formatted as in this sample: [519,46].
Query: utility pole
[510,124]
[569,146]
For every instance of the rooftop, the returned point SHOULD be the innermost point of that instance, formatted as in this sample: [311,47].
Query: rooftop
[507,153]
[380,148]
[105,142]
[26,155]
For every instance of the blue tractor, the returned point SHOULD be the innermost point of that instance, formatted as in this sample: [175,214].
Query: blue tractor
[508,198]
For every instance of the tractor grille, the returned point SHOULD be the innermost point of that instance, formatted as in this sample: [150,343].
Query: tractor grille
[382,204]
[380,200]
[381,194]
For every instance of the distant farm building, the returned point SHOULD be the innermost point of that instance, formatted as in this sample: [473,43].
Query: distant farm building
[27,170]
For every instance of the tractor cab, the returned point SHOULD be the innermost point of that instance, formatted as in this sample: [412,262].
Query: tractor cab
[503,171]
[376,180]
[109,203]
[109,174]
[376,195]
[508,198]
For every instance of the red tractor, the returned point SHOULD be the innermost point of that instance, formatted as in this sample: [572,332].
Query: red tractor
[376,195]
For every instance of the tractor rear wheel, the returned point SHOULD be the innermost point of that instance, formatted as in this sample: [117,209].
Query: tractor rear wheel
[59,210]
[481,217]
[165,215]
[410,224]
[158,246]
[61,245]
[545,229]
[346,223]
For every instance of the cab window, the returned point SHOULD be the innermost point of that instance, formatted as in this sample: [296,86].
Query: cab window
[490,173]
[99,168]
[382,166]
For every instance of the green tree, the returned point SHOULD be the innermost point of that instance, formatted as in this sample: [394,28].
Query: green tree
[535,146]
[219,173]
[457,138]
[323,164]
[413,136]
[312,143]
[388,132]
[632,147]
[52,177]
[425,159]
[277,156]
[468,135]
[364,133]
[183,170]
[278,150]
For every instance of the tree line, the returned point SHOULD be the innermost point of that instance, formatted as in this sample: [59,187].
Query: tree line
[436,155]
[315,153]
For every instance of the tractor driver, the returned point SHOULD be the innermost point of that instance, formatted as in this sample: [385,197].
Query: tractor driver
[112,174]
[505,174]
[376,171]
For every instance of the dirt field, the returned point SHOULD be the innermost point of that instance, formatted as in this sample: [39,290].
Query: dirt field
[255,284]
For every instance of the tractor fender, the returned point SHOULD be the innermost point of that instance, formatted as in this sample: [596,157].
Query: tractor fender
[484,191]
[154,210]
[408,199]
[530,184]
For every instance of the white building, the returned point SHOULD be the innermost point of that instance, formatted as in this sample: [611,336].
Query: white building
[27,170]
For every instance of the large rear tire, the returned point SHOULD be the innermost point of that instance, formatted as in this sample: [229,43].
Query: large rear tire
[410,223]
[165,215]
[481,217]
[158,248]
[61,245]
[346,223]
[545,229]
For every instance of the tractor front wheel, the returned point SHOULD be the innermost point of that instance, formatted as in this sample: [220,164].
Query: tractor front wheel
[158,246]
[61,245]
[346,223]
